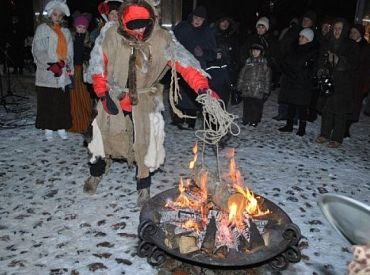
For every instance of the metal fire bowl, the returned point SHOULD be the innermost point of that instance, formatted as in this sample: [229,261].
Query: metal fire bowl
[284,236]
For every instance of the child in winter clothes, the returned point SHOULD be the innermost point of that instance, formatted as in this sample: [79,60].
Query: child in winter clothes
[254,83]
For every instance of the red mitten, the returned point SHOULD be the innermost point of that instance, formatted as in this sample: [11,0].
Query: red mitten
[125,103]
[56,68]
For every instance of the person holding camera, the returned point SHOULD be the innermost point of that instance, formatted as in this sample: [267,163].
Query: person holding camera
[341,54]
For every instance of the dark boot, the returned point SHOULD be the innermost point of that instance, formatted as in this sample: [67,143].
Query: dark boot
[288,127]
[348,126]
[302,128]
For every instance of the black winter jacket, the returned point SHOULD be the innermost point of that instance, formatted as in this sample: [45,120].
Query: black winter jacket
[298,69]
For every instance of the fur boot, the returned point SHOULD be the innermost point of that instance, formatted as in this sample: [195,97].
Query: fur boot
[91,184]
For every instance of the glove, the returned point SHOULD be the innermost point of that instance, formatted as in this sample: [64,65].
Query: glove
[125,104]
[56,68]
[212,93]
[108,104]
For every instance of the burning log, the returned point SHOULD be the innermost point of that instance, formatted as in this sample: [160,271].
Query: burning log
[256,240]
[187,244]
[208,244]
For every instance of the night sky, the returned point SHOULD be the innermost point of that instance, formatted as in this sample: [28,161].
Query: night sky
[243,11]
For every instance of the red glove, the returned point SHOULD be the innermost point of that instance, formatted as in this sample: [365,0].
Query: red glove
[108,104]
[100,84]
[125,103]
[56,68]
[212,93]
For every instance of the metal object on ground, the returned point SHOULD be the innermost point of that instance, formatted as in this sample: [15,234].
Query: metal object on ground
[349,217]
[282,249]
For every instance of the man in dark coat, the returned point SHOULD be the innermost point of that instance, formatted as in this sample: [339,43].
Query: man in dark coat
[226,68]
[341,54]
[198,39]
[361,75]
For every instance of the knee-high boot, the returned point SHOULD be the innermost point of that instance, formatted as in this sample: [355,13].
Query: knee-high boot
[302,128]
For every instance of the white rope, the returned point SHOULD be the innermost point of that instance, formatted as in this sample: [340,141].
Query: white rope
[217,121]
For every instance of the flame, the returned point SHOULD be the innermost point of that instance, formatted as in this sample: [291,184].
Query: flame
[195,158]
[251,206]
[203,185]
[236,205]
[182,200]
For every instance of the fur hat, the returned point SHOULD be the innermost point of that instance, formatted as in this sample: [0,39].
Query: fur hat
[264,21]
[57,5]
[81,20]
[360,28]
[308,33]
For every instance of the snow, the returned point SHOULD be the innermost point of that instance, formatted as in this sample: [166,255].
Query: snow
[49,226]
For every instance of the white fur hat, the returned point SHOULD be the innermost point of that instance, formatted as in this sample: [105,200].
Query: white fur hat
[263,21]
[308,33]
[57,5]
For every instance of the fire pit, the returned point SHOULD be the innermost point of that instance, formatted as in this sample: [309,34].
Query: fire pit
[218,225]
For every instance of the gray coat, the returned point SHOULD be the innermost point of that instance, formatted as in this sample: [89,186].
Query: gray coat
[254,79]
[44,51]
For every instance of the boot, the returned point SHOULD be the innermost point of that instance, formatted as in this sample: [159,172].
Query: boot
[48,134]
[143,195]
[91,184]
[302,128]
[63,134]
[288,127]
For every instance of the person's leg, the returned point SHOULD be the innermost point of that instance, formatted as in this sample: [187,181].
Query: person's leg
[97,169]
[245,110]
[302,116]
[289,123]
[339,127]
[327,124]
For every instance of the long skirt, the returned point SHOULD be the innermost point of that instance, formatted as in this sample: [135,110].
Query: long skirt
[81,104]
[53,109]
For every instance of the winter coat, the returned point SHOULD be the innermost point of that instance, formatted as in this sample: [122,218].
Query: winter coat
[342,73]
[228,45]
[297,75]
[44,51]
[191,37]
[254,79]
[139,137]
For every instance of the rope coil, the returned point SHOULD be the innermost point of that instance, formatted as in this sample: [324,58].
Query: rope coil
[217,122]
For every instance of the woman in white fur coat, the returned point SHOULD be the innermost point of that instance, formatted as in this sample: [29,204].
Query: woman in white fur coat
[52,50]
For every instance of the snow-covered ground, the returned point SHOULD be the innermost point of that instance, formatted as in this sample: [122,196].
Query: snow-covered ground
[49,226]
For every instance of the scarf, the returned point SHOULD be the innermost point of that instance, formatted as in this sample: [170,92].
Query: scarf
[62,43]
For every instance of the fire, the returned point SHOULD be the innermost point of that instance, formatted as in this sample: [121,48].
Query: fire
[236,205]
[182,200]
[251,206]
[195,157]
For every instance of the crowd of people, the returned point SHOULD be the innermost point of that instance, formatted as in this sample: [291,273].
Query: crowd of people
[106,81]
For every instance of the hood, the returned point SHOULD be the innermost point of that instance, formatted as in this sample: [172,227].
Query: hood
[200,9]
[344,33]
[137,12]
[233,28]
